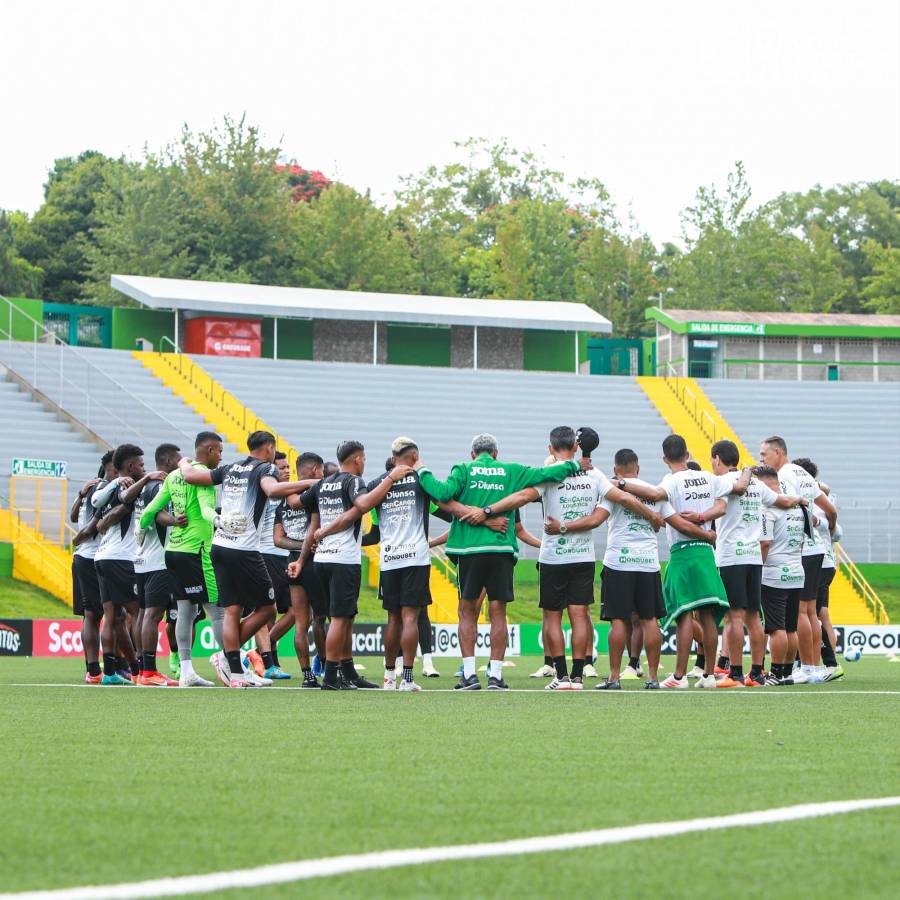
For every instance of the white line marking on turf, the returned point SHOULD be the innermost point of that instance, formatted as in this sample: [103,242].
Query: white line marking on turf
[811,691]
[284,873]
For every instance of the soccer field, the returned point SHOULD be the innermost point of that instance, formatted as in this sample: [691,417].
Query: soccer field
[116,785]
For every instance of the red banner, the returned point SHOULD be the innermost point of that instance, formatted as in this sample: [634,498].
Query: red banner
[223,337]
[62,637]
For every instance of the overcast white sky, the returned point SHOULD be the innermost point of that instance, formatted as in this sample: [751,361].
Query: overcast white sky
[654,98]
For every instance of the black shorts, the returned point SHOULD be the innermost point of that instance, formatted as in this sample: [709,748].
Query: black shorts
[491,572]
[742,586]
[85,587]
[117,584]
[277,566]
[812,569]
[826,576]
[781,608]
[564,584]
[340,584]
[242,578]
[192,576]
[625,593]
[154,589]
[309,580]
[407,586]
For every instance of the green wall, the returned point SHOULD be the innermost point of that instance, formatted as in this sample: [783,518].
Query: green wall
[417,345]
[552,351]
[22,328]
[130,324]
[295,338]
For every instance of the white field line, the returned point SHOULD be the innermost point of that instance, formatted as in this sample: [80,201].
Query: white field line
[284,873]
[806,691]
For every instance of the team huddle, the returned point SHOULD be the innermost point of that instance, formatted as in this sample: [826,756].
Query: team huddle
[259,554]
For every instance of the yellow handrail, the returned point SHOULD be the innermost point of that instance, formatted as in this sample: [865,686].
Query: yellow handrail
[861,585]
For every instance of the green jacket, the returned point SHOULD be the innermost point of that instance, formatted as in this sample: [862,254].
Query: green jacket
[482,482]
[197,502]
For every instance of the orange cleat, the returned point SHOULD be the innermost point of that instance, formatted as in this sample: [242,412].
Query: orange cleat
[721,673]
[155,679]
[255,660]
[758,681]
[93,679]
[729,682]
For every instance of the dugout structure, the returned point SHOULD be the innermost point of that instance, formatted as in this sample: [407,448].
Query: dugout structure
[776,345]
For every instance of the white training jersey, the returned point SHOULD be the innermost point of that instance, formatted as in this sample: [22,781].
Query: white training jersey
[150,556]
[828,542]
[243,496]
[267,529]
[118,541]
[784,565]
[689,491]
[795,481]
[332,497]
[575,496]
[738,531]
[403,523]
[86,512]
[631,544]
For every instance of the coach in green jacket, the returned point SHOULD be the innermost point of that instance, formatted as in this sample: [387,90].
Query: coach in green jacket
[485,558]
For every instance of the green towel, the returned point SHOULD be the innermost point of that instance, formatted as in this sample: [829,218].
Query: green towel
[692,580]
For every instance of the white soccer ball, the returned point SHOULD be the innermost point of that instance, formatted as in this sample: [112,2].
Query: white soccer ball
[853,654]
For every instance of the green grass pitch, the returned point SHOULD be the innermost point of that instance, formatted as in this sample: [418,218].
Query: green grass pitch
[104,785]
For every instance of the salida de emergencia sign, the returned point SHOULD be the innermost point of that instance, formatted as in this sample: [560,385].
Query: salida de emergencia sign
[39,468]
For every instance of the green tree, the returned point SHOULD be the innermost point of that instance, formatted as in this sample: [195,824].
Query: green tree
[18,277]
[882,288]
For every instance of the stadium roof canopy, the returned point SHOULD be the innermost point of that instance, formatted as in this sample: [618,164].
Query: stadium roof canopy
[775,324]
[212,297]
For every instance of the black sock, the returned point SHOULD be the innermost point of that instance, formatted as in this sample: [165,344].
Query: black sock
[275,657]
[93,669]
[784,669]
[736,672]
[110,664]
[755,670]
[308,675]
[135,667]
[268,662]
[577,667]
[559,663]
[331,670]
[348,670]
[407,673]
[548,660]
[723,662]
[149,663]
[828,657]
[122,664]
[634,662]
[234,662]
[700,661]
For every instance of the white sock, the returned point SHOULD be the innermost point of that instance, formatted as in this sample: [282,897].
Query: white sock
[426,659]
[496,669]
[468,666]
[187,667]
[389,672]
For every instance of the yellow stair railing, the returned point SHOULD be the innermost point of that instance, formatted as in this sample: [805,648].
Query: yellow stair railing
[209,399]
[685,406]
[36,560]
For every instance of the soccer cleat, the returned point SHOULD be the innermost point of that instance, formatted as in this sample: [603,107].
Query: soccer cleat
[115,679]
[590,671]
[318,666]
[815,676]
[255,660]
[729,682]
[559,684]
[696,672]
[497,684]
[707,681]
[673,682]
[832,673]
[754,680]
[398,668]
[409,687]
[629,673]
[468,684]
[389,684]
[238,681]
[276,673]
[544,671]
[429,671]
[640,671]
[312,683]
[192,679]
[223,672]
[577,684]
[93,679]
[608,684]
[720,672]
[364,684]
[651,685]
[124,673]
[254,680]
[799,676]
[773,680]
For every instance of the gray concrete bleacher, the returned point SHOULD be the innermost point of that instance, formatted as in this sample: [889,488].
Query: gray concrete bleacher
[851,430]
[316,405]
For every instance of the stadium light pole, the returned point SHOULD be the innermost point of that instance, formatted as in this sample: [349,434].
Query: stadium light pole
[375,343]
[275,336]
[475,348]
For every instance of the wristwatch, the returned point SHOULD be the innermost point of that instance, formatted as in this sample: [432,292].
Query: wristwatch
[563,528]
[488,511]
[620,484]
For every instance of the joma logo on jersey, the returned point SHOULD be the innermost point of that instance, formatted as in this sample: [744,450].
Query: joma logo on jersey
[237,468]
[330,486]
[488,470]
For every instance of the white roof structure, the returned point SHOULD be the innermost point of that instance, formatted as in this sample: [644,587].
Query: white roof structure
[214,297]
